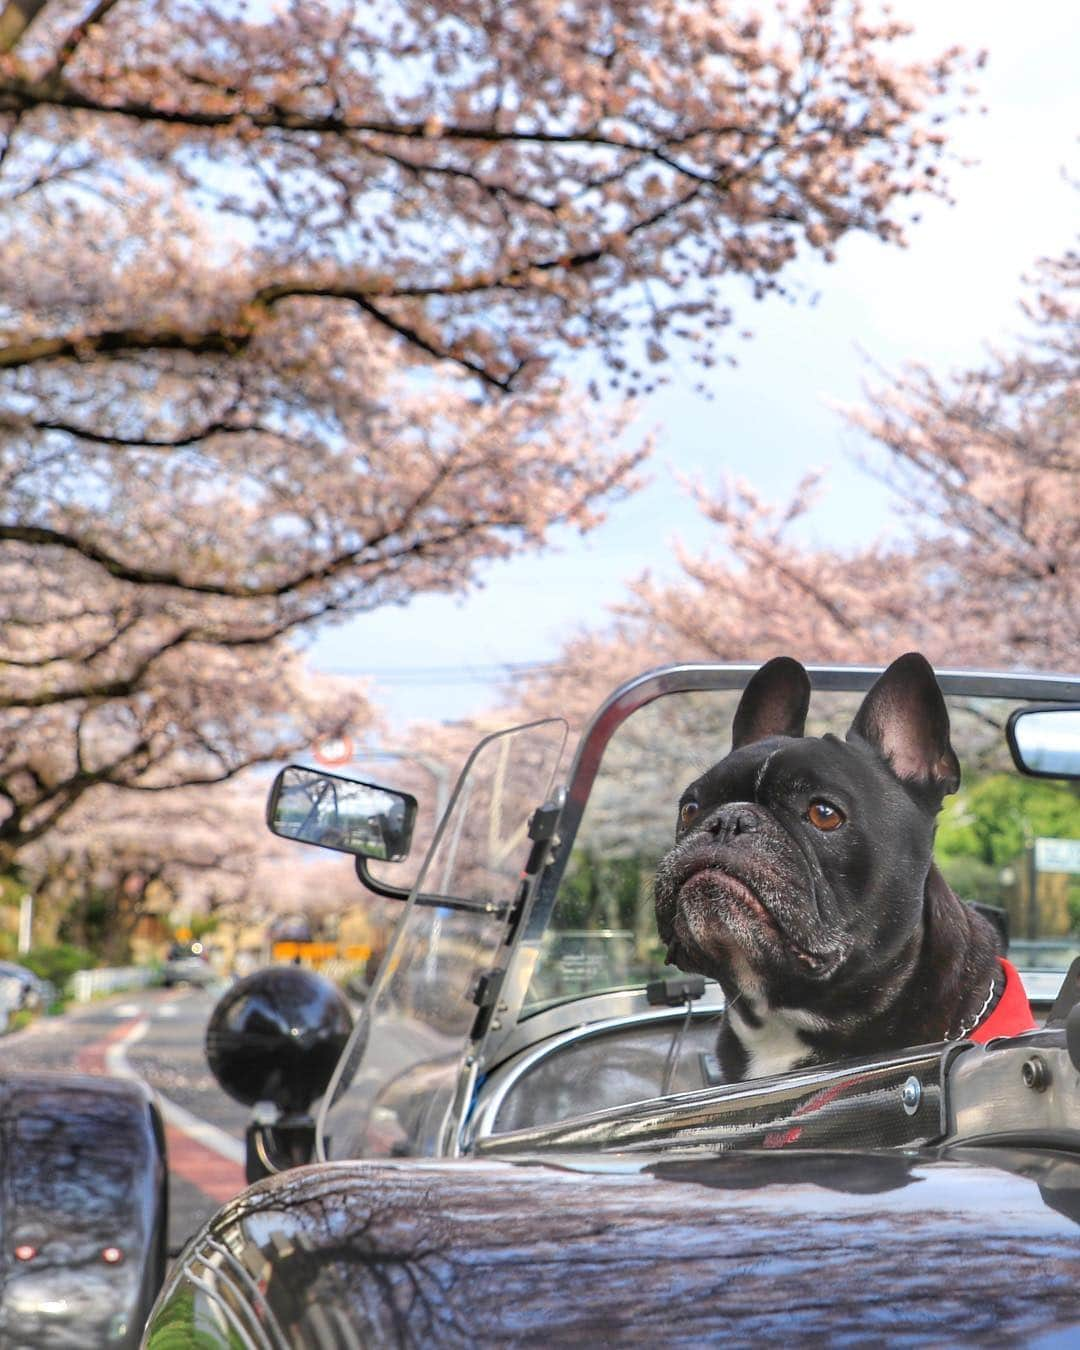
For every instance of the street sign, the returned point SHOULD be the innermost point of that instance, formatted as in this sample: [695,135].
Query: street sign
[1057,855]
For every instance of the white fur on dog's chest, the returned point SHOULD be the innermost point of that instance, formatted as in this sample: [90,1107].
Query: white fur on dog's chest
[775,1046]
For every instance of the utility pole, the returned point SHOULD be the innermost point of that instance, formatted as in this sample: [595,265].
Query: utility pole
[1033,890]
[26,924]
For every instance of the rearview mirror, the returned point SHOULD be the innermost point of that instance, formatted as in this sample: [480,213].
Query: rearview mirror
[363,819]
[1045,742]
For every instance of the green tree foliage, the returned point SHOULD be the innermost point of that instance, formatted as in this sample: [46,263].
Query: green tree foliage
[996,817]
[601,892]
[984,835]
[58,964]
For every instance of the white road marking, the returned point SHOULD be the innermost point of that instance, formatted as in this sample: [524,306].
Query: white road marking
[202,1131]
[123,1010]
[166,1010]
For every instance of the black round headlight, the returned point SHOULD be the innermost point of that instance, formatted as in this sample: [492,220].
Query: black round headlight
[276,1036]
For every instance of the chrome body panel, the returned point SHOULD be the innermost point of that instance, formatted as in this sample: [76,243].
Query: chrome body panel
[1025,1087]
[1020,1089]
[599,1010]
[509,1076]
[853,1105]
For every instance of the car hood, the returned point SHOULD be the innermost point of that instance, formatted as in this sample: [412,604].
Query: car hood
[977,1245]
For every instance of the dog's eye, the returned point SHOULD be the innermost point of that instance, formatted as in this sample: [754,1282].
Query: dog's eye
[688,813]
[824,817]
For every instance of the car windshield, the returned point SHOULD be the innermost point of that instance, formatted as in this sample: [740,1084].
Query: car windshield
[418,1019]
[1004,840]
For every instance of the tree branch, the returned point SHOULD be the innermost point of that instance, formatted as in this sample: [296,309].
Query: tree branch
[119,340]
[59,799]
[75,38]
[19,93]
[42,535]
[15,18]
[215,428]
[85,654]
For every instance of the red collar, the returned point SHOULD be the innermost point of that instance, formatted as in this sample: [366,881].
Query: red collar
[1012,1013]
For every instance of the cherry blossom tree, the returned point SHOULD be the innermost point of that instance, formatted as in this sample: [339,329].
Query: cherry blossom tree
[184,855]
[150,598]
[290,302]
[114,860]
[985,466]
[490,184]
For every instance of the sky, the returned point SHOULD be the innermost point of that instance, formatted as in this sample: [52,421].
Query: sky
[943,300]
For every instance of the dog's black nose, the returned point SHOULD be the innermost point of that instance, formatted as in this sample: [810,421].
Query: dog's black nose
[732,820]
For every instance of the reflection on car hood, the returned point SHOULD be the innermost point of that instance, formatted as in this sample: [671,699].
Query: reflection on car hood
[732,1248]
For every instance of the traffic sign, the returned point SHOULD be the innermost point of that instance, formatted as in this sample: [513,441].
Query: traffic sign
[1057,855]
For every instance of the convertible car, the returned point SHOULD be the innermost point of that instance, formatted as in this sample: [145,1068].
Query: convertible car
[525,1140]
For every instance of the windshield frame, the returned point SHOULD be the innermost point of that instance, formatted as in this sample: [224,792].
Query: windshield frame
[516,1032]
[455,1056]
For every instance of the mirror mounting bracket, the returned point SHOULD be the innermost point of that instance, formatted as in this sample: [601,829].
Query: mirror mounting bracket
[543,824]
[382,888]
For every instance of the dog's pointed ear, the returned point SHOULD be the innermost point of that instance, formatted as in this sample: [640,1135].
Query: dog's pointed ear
[905,720]
[774,703]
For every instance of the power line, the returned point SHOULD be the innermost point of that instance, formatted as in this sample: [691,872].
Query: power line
[420,675]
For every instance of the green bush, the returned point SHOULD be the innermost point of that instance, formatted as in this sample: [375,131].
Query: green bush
[59,963]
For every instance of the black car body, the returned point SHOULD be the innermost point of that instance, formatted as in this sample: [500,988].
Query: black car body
[524,1143]
[83,1210]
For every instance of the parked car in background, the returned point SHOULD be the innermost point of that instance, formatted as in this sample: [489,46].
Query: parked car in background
[186,963]
[23,991]
[524,1140]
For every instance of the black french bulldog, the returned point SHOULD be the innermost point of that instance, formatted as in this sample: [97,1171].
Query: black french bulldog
[802,880]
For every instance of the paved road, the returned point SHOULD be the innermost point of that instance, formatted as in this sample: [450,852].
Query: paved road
[157,1034]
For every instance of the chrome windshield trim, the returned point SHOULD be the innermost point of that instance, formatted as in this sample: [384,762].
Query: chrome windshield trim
[491,1097]
[607,1009]
[502,1038]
